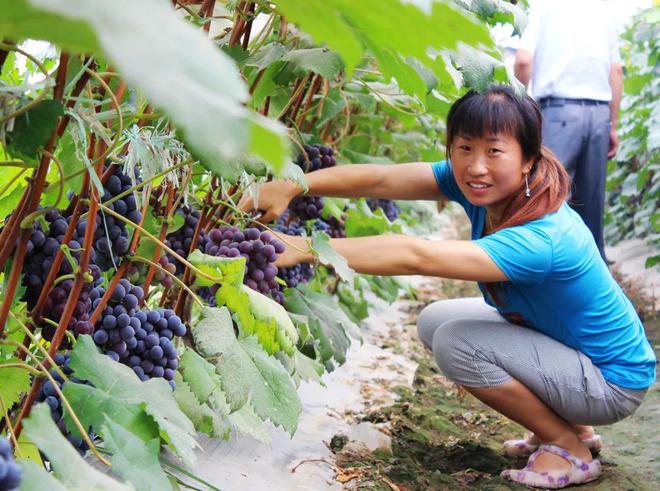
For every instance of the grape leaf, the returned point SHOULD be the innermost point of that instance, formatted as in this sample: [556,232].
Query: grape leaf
[246,371]
[200,86]
[318,60]
[134,459]
[68,466]
[118,392]
[203,383]
[266,56]
[32,130]
[327,321]
[225,270]
[362,221]
[329,257]
[259,315]
[198,412]
[14,382]
[36,478]
[20,20]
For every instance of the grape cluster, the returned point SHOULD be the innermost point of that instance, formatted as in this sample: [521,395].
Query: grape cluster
[56,302]
[48,394]
[42,247]
[110,234]
[162,277]
[181,239]
[320,157]
[306,207]
[300,273]
[10,472]
[139,339]
[260,250]
[389,207]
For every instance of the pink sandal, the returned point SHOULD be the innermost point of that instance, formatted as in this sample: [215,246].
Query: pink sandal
[580,471]
[522,448]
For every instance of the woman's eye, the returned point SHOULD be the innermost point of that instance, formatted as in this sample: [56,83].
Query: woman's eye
[464,147]
[495,150]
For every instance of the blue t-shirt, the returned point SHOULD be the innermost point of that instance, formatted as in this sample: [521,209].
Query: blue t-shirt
[559,285]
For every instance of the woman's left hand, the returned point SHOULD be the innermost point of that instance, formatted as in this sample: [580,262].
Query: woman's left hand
[298,250]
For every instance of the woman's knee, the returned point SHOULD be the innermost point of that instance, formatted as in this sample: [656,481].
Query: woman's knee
[437,313]
[451,348]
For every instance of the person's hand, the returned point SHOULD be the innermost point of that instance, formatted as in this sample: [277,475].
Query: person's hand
[297,251]
[274,198]
[614,144]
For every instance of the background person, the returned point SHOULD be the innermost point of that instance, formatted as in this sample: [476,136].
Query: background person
[570,53]
[554,344]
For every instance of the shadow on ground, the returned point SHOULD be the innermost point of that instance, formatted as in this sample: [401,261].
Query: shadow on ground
[443,439]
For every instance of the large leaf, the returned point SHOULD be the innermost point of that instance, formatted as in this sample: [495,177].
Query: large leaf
[20,20]
[13,383]
[246,371]
[318,60]
[198,86]
[396,27]
[32,130]
[119,393]
[133,459]
[329,257]
[225,270]
[68,466]
[327,321]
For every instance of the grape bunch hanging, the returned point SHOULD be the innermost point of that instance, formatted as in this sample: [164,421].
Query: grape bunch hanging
[300,273]
[389,207]
[315,157]
[49,395]
[142,340]
[260,250]
[10,473]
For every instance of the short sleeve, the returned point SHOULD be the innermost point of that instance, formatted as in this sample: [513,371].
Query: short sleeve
[615,55]
[530,36]
[446,182]
[523,253]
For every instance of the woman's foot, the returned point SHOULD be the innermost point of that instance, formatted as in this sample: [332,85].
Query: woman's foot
[525,447]
[554,467]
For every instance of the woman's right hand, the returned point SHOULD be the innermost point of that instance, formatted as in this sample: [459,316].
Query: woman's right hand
[274,198]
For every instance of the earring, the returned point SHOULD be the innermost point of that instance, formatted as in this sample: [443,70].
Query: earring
[527,192]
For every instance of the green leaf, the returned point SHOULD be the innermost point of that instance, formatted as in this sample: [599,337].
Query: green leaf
[20,21]
[225,270]
[36,478]
[8,201]
[13,383]
[133,459]
[331,258]
[362,221]
[327,321]
[266,56]
[318,60]
[32,130]
[198,412]
[652,261]
[119,393]
[246,371]
[68,466]
[392,25]
[199,87]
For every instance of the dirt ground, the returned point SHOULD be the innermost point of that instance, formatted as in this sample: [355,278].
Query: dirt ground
[443,439]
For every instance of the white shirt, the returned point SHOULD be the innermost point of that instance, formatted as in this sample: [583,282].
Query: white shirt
[574,43]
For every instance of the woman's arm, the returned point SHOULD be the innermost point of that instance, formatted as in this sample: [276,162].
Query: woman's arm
[389,255]
[400,181]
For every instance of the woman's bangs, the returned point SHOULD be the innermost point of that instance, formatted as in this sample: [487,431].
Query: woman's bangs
[485,115]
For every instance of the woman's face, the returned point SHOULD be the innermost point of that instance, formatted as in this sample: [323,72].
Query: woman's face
[489,169]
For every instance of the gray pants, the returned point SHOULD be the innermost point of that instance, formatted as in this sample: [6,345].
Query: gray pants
[476,347]
[579,137]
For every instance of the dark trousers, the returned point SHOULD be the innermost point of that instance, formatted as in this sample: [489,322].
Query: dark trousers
[578,134]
